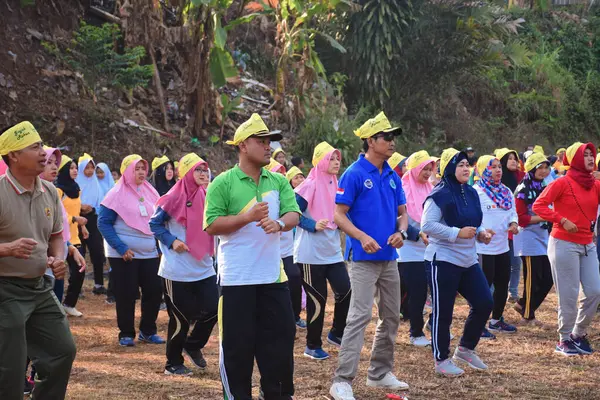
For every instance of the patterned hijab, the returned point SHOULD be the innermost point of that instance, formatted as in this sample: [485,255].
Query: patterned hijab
[498,192]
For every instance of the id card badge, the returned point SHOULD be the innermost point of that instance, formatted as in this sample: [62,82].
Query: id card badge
[143,211]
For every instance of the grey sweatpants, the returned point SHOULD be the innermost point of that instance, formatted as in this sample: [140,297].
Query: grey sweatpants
[377,280]
[573,264]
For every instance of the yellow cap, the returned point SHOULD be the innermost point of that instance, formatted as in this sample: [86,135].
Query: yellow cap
[538,149]
[18,137]
[277,151]
[417,159]
[482,163]
[375,125]
[187,162]
[274,166]
[158,161]
[254,126]
[597,159]
[292,173]
[571,152]
[395,159]
[64,160]
[128,160]
[321,151]
[534,160]
[500,153]
[85,157]
[562,149]
[446,157]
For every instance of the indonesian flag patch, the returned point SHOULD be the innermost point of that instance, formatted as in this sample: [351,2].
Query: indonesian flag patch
[340,191]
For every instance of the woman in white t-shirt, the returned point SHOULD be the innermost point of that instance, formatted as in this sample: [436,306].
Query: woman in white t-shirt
[499,215]
[411,256]
[318,249]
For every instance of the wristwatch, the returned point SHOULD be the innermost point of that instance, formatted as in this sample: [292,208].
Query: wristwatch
[281,224]
[403,233]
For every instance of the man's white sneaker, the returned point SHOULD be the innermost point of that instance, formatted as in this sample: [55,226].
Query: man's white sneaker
[72,311]
[470,357]
[341,391]
[448,368]
[389,381]
[420,341]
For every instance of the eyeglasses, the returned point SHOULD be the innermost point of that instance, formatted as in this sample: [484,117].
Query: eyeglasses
[202,171]
[387,136]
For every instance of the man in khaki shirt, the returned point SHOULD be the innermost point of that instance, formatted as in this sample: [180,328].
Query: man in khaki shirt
[32,322]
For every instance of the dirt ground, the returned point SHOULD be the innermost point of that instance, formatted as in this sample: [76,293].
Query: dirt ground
[522,366]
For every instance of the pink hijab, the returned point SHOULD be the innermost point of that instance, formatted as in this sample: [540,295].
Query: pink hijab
[66,233]
[319,191]
[126,199]
[415,191]
[3,167]
[185,203]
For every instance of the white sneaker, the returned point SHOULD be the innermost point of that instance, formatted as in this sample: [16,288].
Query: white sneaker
[448,368]
[470,357]
[420,341]
[341,391]
[389,381]
[72,311]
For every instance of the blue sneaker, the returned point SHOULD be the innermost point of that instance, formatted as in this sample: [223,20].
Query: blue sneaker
[301,324]
[126,342]
[582,344]
[502,327]
[152,339]
[316,354]
[485,334]
[334,340]
[566,348]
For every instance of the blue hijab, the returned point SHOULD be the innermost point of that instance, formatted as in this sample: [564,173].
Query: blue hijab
[459,202]
[91,193]
[108,182]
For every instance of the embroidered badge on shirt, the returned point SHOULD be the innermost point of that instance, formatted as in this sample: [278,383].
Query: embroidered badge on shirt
[48,213]
[392,184]
[369,184]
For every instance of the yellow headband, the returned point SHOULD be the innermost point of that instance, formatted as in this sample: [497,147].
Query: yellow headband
[292,173]
[85,157]
[375,125]
[158,161]
[18,137]
[446,157]
[395,159]
[534,160]
[417,159]
[187,162]
[483,163]
[128,160]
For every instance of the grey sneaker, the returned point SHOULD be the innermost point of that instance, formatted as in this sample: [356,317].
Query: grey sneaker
[470,357]
[448,368]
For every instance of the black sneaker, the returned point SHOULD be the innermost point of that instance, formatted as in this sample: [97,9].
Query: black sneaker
[28,387]
[196,357]
[566,348]
[180,370]
[582,344]
[99,290]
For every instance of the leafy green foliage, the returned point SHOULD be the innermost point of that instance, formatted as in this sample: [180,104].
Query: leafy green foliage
[93,53]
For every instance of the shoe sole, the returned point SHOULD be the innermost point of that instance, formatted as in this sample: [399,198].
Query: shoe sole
[148,341]
[127,345]
[315,358]
[336,397]
[374,385]
[562,353]
[468,363]
[172,374]
[192,360]
[501,331]
[334,343]
[420,345]
[583,352]
[449,375]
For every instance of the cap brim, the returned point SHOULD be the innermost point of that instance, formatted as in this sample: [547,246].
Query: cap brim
[396,130]
[274,136]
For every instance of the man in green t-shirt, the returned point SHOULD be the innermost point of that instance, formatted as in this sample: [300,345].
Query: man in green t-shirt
[247,207]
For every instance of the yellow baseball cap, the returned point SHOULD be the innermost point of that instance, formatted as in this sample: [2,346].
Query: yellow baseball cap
[483,162]
[534,160]
[395,159]
[417,159]
[375,125]
[321,151]
[254,126]
[500,153]
[64,160]
[187,162]
[128,160]
[18,137]
[446,157]
[158,161]
[292,173]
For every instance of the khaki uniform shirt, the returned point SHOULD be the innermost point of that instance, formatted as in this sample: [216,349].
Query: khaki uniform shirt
[35,215]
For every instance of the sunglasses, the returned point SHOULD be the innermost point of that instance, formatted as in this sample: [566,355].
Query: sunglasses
[387,136]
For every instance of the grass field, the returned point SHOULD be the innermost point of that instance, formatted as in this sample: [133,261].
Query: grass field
[522,366]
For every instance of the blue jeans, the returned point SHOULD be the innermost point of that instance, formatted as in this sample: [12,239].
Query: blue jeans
[515,272]
[445,280]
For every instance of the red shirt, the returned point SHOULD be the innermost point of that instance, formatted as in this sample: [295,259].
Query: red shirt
[566,198]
